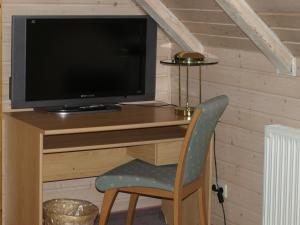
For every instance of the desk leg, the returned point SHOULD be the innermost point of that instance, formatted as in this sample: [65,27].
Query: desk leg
[190,204]
[23,185]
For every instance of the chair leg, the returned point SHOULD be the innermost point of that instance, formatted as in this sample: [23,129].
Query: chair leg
[131,208]
[202,206]
[108,201]
[177,211]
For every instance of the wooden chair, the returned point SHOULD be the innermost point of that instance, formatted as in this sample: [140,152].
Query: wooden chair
[174,182]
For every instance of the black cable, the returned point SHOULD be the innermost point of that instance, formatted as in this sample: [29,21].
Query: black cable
[224,214]
[215,160]
[216,187]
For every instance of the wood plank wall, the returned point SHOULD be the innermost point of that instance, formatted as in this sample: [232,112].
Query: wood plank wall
[83,188]
[214,28]
[258,96]
[1,113]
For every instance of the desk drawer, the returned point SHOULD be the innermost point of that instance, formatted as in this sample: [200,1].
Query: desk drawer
[157,154]
[72,165]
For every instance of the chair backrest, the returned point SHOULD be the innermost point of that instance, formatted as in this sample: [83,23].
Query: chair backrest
[205,119]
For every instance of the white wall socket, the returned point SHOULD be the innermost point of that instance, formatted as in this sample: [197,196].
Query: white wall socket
[225,190]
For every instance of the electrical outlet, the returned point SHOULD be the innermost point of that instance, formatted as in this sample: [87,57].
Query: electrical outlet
[221,190]
[225,190]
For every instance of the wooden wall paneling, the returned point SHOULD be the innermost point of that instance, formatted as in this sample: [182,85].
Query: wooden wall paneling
[218,220]
[239,137]
[238,156]
[234,56]
[221,29]
[263,37]
[244,128]
[214,28]
[193,88]
[234,51]
[253,80]
[163,92]
[1,116]
[253,120]
[232,30]
[92,2]
[288,6]
[295,49]
[284,20]
[236,214]
[227,42]
[257,101]
[244,69]
[163,48]
[245,198]
[200,15]
[191,4]
[5,48]
[240,176]
[246,119]
[288,34]
[239,58]
[68,9]
[169,22]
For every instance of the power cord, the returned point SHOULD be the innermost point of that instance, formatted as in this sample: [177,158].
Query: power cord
[216,187]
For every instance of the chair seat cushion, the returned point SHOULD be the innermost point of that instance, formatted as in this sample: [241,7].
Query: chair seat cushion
[138,174]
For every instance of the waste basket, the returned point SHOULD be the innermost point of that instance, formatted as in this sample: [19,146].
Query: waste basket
[69,212]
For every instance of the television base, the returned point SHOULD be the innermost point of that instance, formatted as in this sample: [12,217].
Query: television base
[81,109]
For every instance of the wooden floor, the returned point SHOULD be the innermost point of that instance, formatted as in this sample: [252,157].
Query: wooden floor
[145,216]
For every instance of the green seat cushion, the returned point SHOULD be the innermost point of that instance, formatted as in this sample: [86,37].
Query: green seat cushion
[138,174]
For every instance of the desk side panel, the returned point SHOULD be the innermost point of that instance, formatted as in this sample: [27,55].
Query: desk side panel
[23,173]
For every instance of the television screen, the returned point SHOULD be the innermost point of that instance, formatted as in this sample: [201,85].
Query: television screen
[74,61]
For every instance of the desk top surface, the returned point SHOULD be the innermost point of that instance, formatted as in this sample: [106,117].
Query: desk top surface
[130,117]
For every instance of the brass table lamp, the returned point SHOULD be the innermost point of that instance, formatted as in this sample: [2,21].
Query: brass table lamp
[188,59]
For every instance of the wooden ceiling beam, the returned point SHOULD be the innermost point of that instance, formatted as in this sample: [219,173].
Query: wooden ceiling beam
[171,25]
[262,36]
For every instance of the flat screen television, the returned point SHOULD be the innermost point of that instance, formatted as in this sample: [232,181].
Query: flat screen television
[78,61]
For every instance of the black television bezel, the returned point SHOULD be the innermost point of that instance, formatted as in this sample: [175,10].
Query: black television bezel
[18,66]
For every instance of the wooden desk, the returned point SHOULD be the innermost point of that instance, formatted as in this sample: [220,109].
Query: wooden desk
[48,147]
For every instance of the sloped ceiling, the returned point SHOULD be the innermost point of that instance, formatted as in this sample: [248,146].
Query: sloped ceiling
[282,6]
[208,22]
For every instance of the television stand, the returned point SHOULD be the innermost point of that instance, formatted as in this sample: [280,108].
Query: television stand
[80,109]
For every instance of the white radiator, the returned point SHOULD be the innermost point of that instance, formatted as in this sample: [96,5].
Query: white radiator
[281,201]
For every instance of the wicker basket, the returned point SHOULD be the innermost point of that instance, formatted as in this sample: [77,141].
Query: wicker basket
[69,212]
